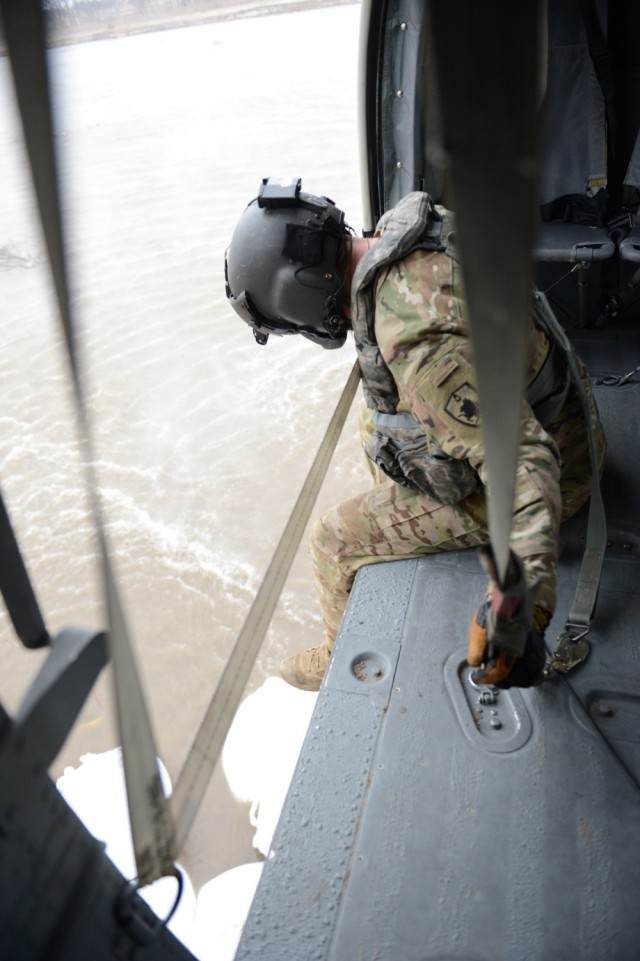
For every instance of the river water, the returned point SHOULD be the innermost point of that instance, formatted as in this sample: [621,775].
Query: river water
[203,438]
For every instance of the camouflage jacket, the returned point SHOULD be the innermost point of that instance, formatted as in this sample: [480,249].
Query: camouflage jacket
[423,342]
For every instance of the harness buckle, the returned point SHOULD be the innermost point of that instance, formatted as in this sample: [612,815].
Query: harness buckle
[573,648]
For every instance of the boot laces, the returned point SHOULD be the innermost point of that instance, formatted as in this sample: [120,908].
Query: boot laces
[314,659]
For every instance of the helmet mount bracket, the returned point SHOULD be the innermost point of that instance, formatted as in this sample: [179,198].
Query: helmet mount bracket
[279,193]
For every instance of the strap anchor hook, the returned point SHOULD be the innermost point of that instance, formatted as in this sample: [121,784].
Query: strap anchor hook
[572,649]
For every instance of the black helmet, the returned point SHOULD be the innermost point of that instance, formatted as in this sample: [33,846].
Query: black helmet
[281,268]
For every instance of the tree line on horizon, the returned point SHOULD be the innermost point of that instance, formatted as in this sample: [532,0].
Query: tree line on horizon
[76,13]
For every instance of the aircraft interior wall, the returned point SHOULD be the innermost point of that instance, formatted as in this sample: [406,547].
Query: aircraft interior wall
[590,145]
[588,148]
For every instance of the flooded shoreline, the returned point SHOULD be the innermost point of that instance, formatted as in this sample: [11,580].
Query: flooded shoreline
[132,23]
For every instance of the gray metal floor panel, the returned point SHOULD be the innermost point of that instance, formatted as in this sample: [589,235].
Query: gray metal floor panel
[420,825]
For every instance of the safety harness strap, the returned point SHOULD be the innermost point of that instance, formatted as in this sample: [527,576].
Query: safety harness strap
[602,65]
[215,725]
[572,647]
[16,588]
[493,188]
[151,827]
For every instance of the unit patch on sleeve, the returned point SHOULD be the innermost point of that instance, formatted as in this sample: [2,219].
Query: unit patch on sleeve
[463,406]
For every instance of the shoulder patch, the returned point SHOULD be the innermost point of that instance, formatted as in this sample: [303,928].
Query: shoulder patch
[463,405]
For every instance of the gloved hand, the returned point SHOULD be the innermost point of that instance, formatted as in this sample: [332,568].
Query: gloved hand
[502,669]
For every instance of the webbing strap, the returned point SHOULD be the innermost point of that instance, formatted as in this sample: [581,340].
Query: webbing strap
[210,738]
[17,590]
[584,601]
[151,827]
[489,147]
[603,67]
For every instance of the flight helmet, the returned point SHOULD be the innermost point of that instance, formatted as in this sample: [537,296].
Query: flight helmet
[282,266]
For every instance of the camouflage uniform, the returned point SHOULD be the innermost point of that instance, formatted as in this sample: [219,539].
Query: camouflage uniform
[423,338]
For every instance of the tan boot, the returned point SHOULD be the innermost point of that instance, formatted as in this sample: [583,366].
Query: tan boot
[306,669]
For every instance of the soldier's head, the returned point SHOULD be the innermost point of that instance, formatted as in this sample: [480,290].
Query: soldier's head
[284,269]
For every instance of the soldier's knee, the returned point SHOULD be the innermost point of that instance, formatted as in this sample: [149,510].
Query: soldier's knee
[322,537]
[326,544]
[315,537]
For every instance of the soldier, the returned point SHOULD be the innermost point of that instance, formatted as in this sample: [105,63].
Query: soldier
[294,266]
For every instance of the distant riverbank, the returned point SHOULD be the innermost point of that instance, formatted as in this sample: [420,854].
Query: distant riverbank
[102,24]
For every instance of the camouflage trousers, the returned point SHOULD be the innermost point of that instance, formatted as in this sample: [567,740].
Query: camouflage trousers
[391,522]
